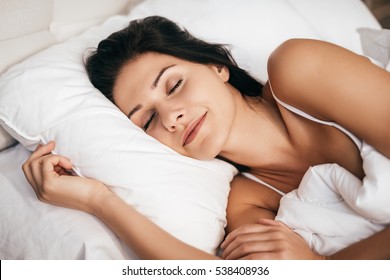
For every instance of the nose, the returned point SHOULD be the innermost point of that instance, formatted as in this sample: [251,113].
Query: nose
[173,118]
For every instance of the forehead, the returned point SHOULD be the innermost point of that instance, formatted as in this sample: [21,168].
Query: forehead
[141,70]
[137,78]
[150,61]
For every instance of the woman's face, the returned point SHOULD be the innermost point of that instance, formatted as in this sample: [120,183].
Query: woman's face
[186,106]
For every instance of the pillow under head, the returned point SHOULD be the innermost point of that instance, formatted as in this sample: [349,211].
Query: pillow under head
[49,97]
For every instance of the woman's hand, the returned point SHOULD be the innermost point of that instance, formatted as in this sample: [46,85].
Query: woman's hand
[52,181]
[268,239]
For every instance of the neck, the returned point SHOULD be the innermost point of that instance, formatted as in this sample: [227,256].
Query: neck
[258,136]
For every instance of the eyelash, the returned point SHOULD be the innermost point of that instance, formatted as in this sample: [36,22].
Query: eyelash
[172,90]
[146,126]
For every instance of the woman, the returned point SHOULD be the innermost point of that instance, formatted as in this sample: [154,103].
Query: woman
[191,96]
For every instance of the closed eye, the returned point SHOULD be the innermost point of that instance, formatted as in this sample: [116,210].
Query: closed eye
[174,88]
[147,124]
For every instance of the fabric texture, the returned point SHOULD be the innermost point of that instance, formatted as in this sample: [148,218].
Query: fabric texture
[332,209]
[49,97]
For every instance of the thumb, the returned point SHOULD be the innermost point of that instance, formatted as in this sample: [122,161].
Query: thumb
[49,164]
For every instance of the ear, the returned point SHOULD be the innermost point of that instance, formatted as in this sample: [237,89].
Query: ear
[223,72]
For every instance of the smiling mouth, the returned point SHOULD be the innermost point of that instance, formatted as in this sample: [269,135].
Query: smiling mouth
[193,130]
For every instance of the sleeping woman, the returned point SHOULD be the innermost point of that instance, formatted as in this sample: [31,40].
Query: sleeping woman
[191,96]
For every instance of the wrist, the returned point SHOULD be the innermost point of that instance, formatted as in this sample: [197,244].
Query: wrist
[99,199]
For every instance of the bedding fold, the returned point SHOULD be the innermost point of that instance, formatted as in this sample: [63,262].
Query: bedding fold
[332,208]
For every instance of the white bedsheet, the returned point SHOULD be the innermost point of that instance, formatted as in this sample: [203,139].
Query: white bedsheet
[332,208]
[31,229]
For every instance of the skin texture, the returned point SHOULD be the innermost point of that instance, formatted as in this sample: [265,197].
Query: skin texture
[277,145]
[180,98]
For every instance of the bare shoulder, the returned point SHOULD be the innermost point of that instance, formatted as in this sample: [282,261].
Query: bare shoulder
[334,84]
[249,201]
[301,69]
[290,66]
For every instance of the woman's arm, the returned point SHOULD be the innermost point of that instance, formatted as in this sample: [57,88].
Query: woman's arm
[147,239]
[253,234]
[248,201]
[334,84]
[48,176]
[376,247]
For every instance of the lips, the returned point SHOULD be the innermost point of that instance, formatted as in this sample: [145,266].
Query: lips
[193,130]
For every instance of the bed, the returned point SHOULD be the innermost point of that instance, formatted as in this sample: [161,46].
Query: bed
[45,94]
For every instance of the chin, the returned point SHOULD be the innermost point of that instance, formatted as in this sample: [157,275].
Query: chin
[206,153]
[207,148]
[205,157]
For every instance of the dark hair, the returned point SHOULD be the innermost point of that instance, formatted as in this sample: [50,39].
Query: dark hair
[160,35]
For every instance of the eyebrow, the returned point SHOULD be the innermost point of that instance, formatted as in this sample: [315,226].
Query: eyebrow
[134,110]
[155,83]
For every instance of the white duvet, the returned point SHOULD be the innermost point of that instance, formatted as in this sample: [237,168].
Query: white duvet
[332,208]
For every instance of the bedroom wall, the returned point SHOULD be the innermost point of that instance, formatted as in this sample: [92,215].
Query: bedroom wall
[381,10]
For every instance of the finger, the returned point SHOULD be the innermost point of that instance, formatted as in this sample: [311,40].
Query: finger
[26,167]
[238,241]
[245,229]
[42,150]
[65,163]
[38,146]
[244,239]
[29,176]
[35,172]
[51,163]
[267,221]
[273,223]
[266,246]
[270,222]
[245,250]
[61,171]
[38,174]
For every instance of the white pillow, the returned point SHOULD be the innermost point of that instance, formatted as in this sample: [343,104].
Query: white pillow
[253,30]
[256,28]
[45,23]
[49,96]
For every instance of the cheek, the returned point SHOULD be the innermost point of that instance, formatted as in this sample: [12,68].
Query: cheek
[214,136]
[160,136]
